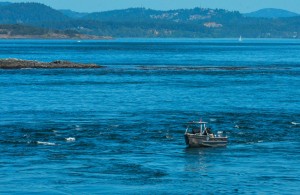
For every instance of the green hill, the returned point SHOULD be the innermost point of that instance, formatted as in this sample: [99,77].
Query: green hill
[72,14]
[271,13]
[29,13]
[4,3]
[149,15]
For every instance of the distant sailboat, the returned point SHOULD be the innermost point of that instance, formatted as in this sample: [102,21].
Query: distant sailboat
[240,39]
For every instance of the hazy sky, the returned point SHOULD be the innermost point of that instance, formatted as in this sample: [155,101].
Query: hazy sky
[102,5]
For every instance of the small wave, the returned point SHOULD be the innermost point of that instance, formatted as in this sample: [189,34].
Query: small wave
[46,143]
[294,123]
[70,139]
[193,68]
[77,128]
[209,68]
[168,136]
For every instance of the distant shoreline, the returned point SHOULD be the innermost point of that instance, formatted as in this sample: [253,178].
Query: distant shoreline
[146,38]
[81,37]
[23,64]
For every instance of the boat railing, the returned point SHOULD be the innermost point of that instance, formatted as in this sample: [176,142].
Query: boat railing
[186,130]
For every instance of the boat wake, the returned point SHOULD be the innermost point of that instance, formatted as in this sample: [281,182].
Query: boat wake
[46,143]
[70,139]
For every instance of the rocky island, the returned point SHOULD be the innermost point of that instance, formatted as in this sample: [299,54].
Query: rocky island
[20,64]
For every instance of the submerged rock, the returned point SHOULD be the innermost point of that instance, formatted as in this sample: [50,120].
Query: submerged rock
[19,64]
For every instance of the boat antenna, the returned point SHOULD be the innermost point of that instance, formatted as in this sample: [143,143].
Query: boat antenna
[200,126]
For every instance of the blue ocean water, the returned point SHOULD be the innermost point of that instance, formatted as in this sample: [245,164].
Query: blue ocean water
[120,129]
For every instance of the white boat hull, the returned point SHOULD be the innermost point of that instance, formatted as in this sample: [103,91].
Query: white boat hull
[197,140]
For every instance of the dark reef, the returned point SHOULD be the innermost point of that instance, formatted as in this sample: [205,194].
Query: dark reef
[19,64]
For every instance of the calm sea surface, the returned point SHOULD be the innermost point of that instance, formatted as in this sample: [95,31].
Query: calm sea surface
[120,129]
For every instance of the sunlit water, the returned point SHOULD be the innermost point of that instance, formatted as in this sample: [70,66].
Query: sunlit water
[120,129]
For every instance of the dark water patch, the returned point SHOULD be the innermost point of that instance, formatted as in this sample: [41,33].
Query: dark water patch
[232,68]
[70,83]
[135,171]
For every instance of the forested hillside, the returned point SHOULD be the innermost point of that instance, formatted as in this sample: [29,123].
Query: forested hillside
[141,22]
[29,13]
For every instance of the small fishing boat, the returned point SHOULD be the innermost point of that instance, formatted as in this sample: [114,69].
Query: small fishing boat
[197,134]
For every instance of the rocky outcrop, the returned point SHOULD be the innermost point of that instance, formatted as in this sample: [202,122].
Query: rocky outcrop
[19,64]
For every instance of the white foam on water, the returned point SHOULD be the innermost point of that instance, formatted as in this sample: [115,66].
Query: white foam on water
[213,119]
[294,123]
[70,139]
[77,128]
[46,143]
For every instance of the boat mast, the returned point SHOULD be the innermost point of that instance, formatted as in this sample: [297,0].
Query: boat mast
[200,129]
